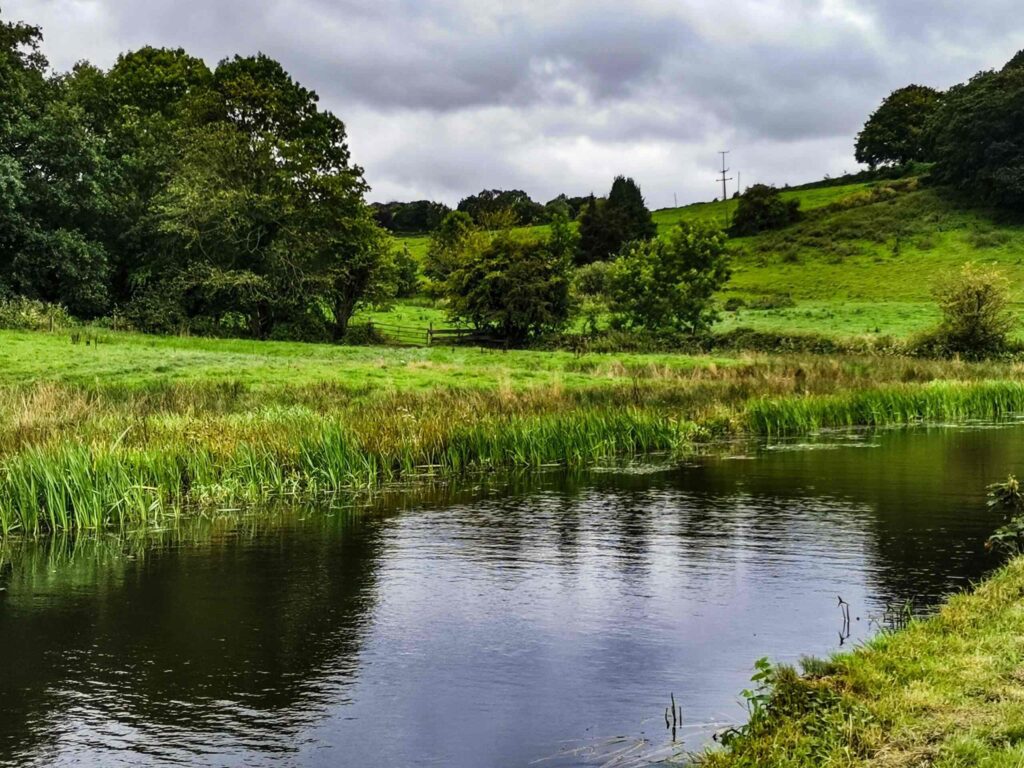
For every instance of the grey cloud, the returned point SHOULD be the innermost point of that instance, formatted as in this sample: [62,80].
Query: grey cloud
[444,97]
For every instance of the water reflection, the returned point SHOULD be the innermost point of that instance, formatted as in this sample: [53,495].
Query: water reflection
[493,625]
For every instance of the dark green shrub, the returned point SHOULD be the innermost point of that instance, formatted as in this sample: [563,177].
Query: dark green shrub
[762,208]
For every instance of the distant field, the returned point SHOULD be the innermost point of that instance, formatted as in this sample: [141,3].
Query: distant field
[867,265]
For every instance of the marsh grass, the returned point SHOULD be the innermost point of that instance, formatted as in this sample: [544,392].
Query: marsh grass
[75,457]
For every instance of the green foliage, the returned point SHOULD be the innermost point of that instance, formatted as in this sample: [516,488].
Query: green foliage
[515,203]
[978,135]
[669,284]
[897,132]
[1008,539]
[410,218]
[21,314]
[976,320]
[221,200]
[516,287]
[762,208]
[454,241]
[407,274]
[570,207]
[607,225]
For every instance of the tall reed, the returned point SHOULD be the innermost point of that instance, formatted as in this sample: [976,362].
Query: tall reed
[75,459]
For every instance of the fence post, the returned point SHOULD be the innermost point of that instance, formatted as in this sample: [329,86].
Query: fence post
[430,335]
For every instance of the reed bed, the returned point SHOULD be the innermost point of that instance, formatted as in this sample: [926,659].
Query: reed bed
[88,458]
[903,404]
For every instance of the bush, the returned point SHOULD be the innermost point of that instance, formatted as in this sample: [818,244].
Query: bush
[762,208]
[976,318]
[669,284]
[772,301]
[407,275]
[29,315]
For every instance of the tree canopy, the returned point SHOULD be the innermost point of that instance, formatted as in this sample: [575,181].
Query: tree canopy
[761,208]
[978,135]
[897,132]
[516,287]
[606,225]
[494,202]
[222,199]
[669,284]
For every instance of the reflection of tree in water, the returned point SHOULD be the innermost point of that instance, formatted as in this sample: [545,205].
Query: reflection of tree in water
[221,633]
[243,629]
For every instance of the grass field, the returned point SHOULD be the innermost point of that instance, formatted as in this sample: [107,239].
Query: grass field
[864,261]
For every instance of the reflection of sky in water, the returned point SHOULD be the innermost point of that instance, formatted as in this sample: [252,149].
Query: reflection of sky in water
[494,631]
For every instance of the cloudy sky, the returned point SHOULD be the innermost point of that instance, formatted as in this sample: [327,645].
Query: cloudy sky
[445,97]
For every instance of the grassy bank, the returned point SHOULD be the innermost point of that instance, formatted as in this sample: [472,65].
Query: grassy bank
[946,692]
[133,430]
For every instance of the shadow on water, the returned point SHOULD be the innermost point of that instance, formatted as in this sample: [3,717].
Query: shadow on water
[511,621]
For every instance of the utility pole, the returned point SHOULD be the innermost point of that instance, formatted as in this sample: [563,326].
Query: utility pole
[725,189]
[739,182]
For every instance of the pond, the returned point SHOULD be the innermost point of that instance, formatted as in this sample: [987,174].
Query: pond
[511,623]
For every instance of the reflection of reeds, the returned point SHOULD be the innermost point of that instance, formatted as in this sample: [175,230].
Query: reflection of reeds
[90,458]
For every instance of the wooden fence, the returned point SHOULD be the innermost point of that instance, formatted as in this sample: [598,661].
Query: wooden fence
[412,336]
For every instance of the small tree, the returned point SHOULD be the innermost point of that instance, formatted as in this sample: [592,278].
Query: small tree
[607,225]
[407,274]
[517,288]
[762,208]
[456,235]
[669,284]
[976,317]
[897,132]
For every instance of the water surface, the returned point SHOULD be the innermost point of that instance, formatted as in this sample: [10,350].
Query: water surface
[499,625]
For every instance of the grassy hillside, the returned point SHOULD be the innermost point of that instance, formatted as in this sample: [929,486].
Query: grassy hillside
[863,261]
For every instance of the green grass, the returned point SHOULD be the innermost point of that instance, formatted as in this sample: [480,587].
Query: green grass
[947,692]
[128,360]
[717,213]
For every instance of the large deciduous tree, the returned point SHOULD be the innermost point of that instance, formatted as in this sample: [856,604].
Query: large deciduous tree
[266,199]
[52,184]
[978,135]
[897,132]
[517,287]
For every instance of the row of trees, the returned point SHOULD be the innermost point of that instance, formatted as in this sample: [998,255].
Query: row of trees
[491,209]
[520,285]
[177,194]
[973,133]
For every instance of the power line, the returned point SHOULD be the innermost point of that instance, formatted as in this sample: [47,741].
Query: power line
[725,189]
